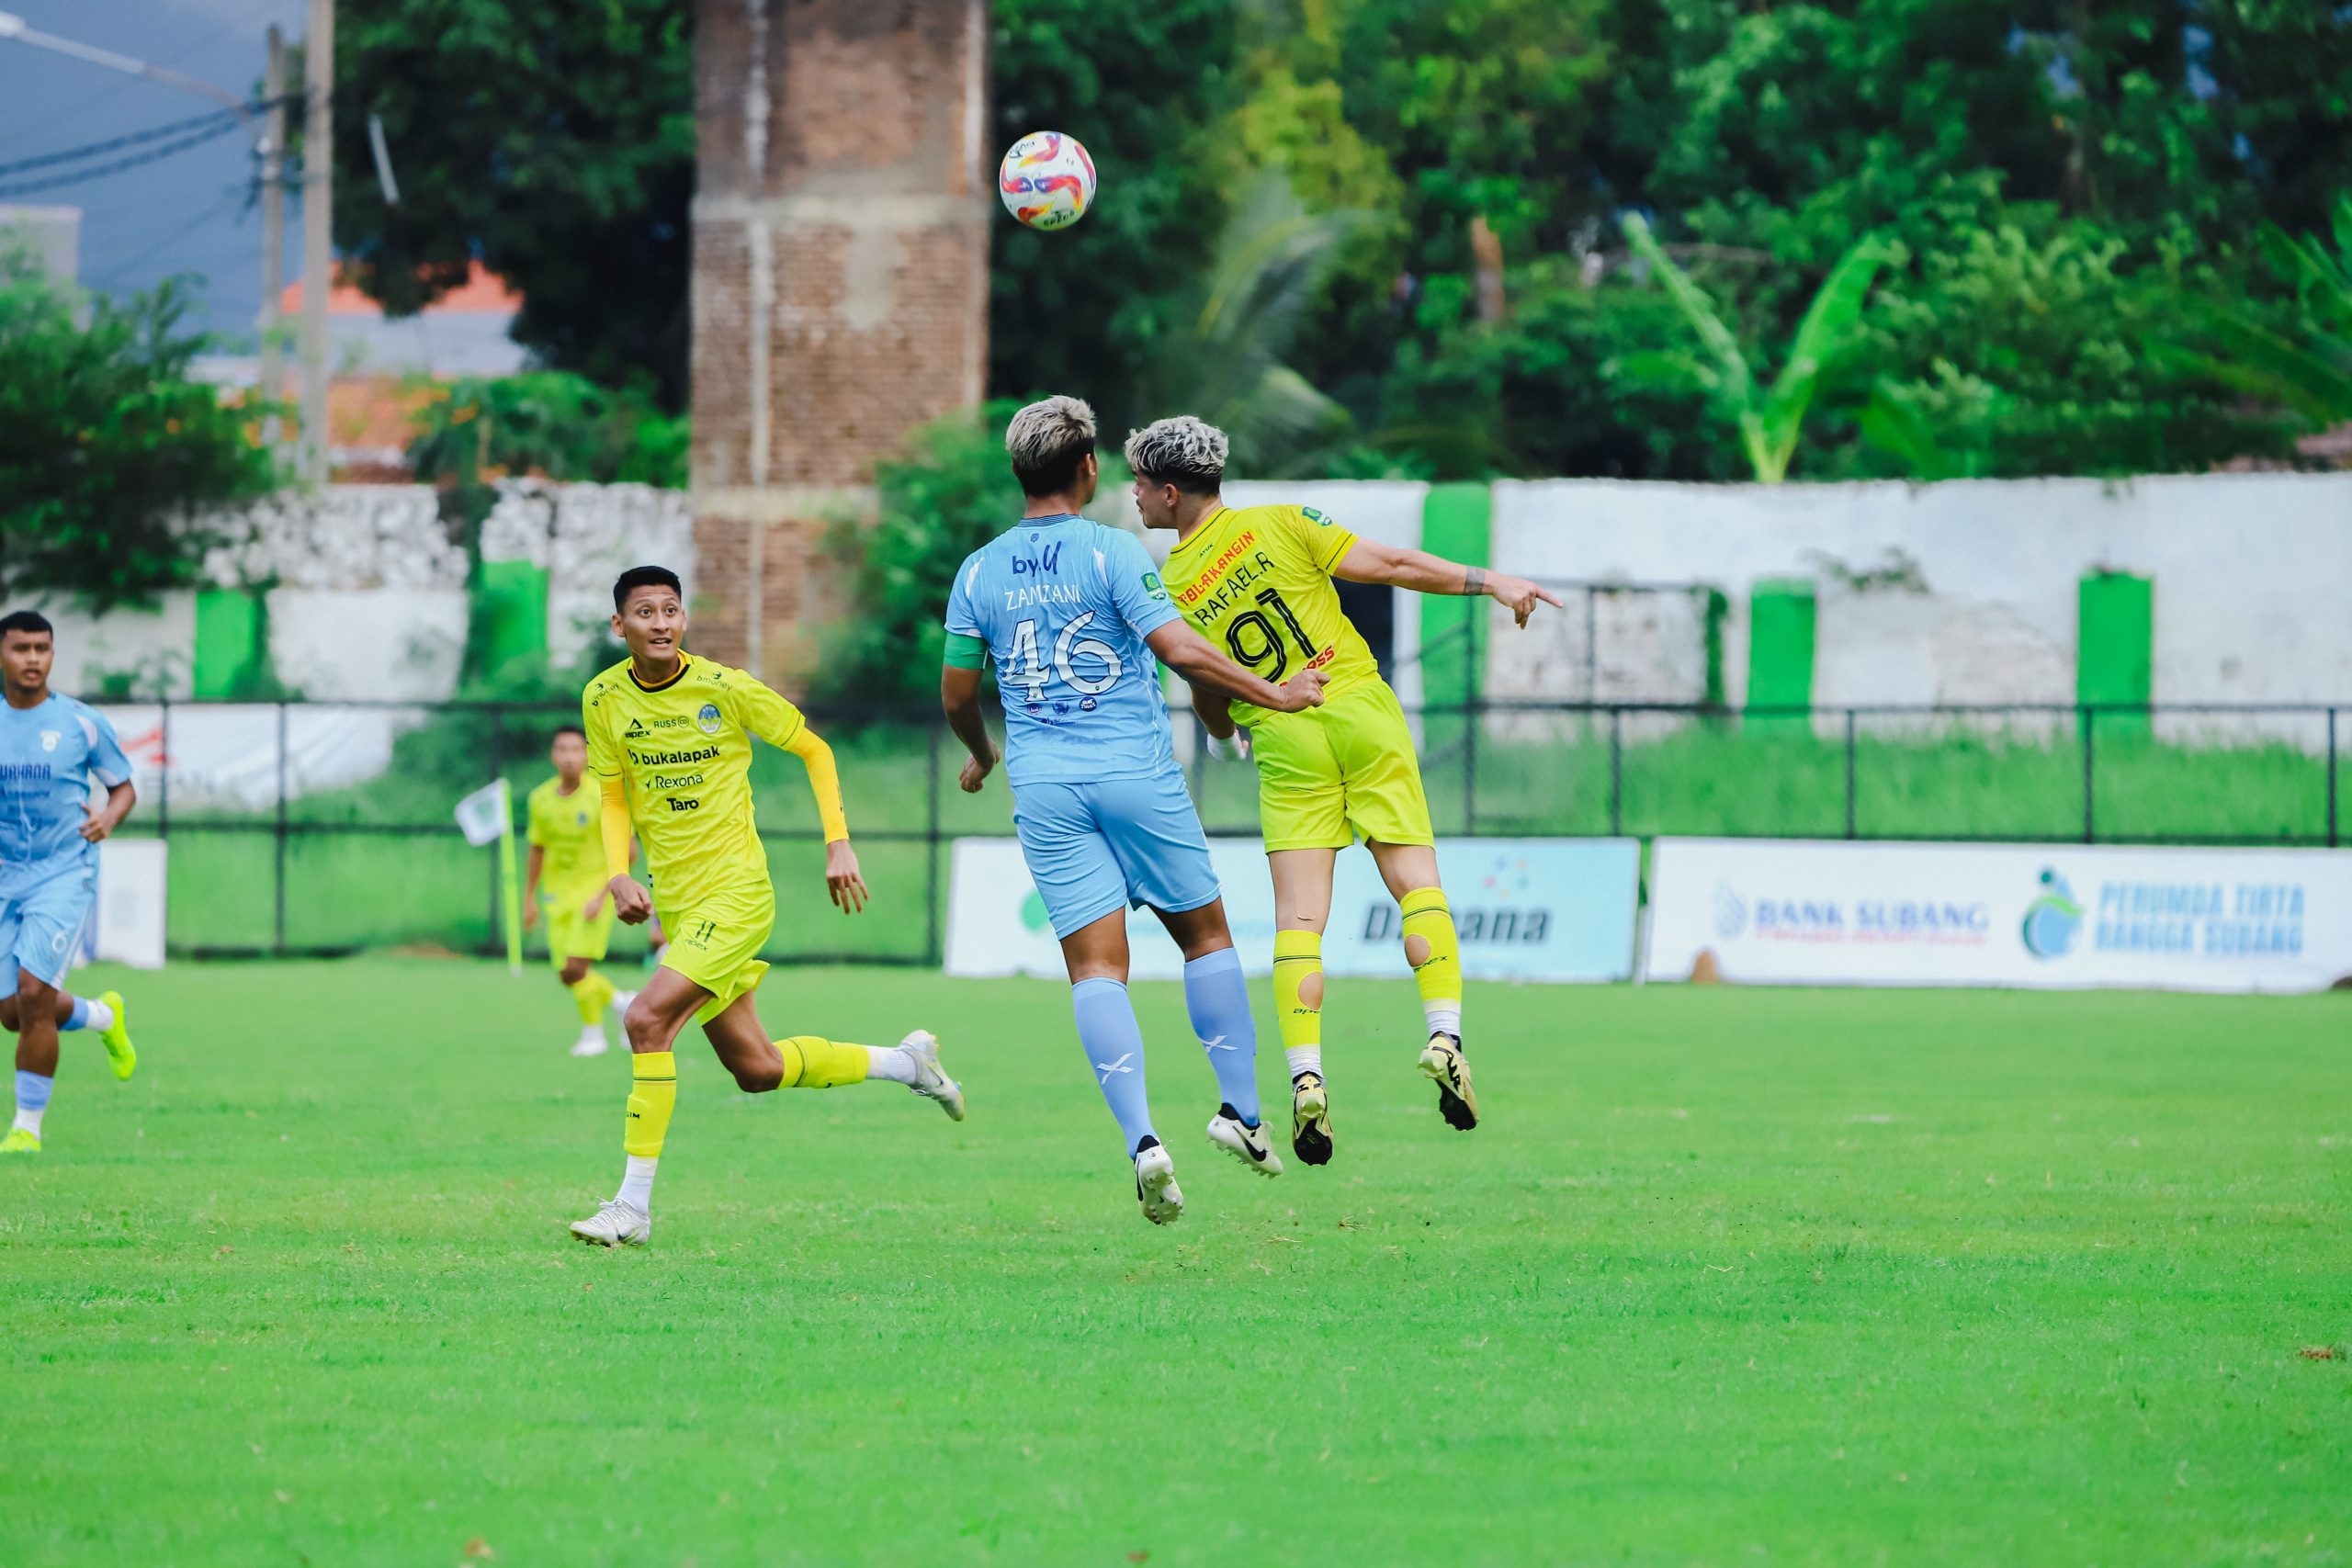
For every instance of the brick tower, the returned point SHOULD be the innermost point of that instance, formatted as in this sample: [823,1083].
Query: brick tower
[840,281]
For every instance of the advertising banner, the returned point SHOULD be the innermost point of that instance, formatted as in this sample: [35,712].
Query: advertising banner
[1526,909]
[126,921]
[1777,911]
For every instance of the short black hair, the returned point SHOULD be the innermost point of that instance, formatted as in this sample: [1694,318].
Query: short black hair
[26,620]
[563,729]
[639,577]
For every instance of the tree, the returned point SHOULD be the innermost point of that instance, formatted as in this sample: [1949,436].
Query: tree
[549,423]
[554,140]
[1770,419]
[2306,366]
[110,454]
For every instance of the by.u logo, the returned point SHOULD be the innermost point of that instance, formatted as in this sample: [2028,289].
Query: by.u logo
[1048,559]
[2053,922]
[707,719]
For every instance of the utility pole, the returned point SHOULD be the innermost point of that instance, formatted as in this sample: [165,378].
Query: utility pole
[318,229]
[273,225]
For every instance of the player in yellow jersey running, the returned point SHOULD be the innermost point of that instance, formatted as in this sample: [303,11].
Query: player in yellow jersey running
[566,866]
[670,742]
[1258,580]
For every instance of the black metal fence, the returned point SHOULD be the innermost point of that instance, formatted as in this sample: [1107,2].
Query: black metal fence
[304,830]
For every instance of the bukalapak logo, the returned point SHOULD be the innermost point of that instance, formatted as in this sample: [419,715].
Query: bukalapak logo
[2053,921]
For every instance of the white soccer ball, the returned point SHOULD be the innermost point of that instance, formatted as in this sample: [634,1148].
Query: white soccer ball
[1047,180]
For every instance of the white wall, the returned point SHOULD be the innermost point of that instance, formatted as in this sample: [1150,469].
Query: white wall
[2251,572]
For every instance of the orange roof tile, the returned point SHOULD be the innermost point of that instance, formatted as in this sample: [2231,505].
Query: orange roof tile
[483,292]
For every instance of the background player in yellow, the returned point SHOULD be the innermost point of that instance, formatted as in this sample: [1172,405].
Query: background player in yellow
[567,868]
[670,742]
[1259,579]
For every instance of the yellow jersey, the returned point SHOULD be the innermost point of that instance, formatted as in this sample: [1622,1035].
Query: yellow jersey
[1258,581]
[567,829]
[685,750]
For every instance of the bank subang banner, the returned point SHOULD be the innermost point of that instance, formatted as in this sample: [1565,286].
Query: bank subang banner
[1526,909]
[1835,913]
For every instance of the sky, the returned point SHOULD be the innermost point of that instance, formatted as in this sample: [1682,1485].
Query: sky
[189,213]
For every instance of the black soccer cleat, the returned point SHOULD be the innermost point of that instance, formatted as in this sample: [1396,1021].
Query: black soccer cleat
[1310,1120]
[1457,1100]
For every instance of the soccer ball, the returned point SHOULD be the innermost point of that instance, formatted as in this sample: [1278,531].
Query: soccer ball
[1047,180]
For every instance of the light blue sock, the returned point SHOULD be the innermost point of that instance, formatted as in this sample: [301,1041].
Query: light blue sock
[80,1019]
[32,1099]
[1219,999]
[1113,1042]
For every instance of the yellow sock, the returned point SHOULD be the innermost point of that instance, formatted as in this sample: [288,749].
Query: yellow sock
[652,1095]
[1435,954]
[592,996]
[813,1062]
[1298,998]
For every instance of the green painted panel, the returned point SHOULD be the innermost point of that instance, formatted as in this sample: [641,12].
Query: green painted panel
[231,650]
[1457,523]
[1779,653]
[513,613]
[2115,648]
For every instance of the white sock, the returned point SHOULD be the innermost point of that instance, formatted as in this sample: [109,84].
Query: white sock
[889,1061]
[637,1185]
[621,1000]
[30,1119]
[592,1032]
[101,1015]
[1306,1059]
[1445,1018]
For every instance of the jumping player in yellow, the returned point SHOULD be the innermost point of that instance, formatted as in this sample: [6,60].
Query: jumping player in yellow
[566,866]
[1258,580]
[670,743]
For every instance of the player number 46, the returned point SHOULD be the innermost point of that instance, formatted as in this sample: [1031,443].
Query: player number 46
[1028,672]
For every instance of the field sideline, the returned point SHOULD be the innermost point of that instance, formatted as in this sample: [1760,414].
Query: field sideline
[1730,1275]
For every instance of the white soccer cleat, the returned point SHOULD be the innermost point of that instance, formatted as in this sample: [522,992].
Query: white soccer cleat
[1249,1145]
[1156,1188]
[930,1081]
[590,1044]
[614,1224]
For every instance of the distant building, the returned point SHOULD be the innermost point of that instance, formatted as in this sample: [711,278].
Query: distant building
[382,368]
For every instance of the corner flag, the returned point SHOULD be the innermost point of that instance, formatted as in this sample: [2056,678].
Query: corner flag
[485,815]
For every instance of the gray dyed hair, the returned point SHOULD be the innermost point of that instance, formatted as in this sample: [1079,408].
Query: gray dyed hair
[1185,452]
[1048,440]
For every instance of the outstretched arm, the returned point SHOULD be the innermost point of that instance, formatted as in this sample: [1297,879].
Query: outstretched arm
[1369,561]
[1190,655]
[843,880]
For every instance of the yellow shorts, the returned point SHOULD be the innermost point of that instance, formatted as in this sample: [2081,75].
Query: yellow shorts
[572,934]
[716,944]
[1344,771]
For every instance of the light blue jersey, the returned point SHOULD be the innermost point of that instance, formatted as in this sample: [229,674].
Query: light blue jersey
[48,756]
[1063,605]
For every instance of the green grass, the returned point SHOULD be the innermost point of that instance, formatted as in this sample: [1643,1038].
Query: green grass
[1729,1275]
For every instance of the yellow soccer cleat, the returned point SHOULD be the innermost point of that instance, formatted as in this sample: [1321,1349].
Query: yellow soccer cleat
[19,1142]
[1310,1119]
[1457,1101]
[120,1054]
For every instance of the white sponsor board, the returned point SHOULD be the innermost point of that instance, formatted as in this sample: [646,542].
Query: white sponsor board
[1835,913]
[127,917]
[1525,908]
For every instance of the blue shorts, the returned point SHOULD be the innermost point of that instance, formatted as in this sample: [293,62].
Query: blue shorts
[1097,847]
[41,926]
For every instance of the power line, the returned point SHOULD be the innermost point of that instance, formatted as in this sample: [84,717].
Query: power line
[218,127]
[136,137]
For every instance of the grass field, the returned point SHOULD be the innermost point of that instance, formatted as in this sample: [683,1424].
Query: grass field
[1729,1276]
